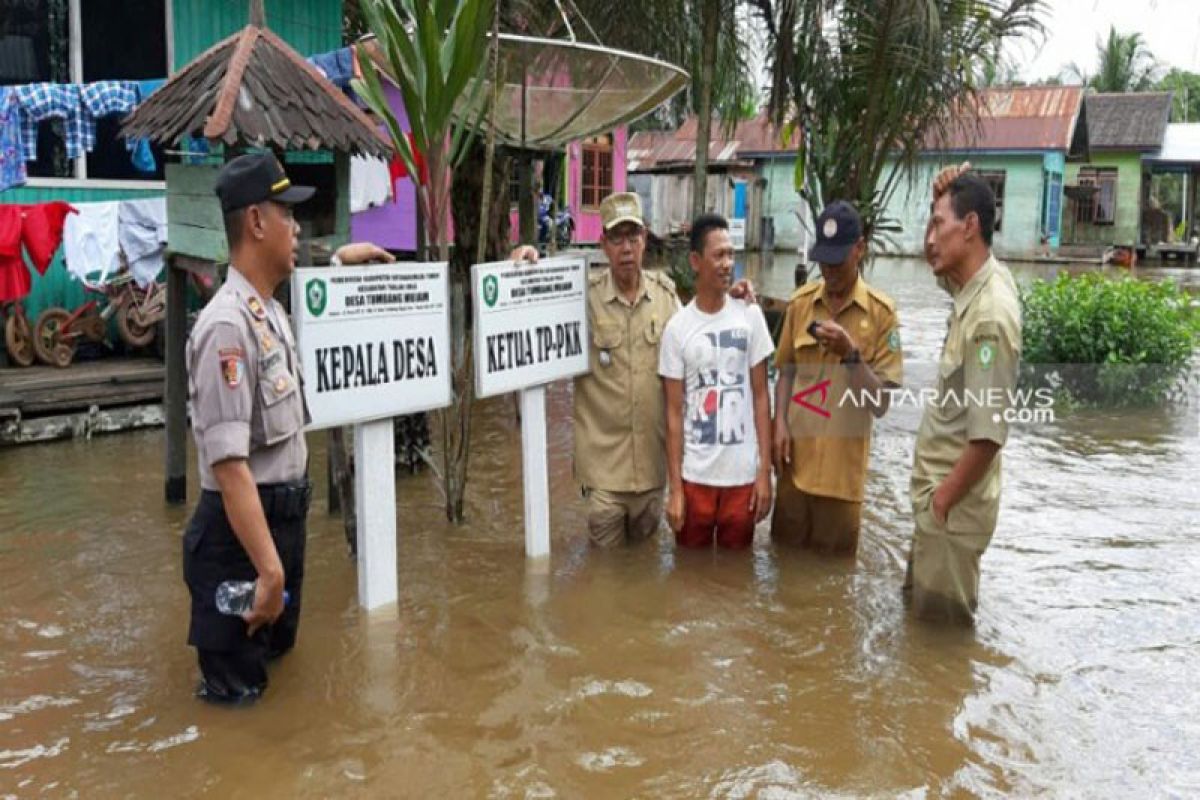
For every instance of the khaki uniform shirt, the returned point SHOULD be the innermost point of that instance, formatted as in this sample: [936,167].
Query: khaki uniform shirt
[829,453]
[977,374]
[620,422]
[244,386]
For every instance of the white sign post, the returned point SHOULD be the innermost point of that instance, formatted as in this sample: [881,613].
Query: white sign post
[374,343]
[530,330]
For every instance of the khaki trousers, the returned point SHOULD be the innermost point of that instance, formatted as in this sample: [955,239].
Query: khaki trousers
[617,517]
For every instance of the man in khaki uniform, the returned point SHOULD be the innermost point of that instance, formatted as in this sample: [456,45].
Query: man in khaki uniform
[620,424]
[956,467]
[838,352]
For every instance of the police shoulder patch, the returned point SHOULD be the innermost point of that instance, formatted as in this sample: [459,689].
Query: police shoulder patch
[233,365]
[256,307]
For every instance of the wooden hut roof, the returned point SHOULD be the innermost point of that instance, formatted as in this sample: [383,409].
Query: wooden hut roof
[254,88]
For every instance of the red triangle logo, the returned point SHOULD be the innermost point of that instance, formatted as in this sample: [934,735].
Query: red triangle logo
[823,388]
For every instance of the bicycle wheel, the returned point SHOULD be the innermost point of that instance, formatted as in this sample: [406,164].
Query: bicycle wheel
[50,341]
[18,340]
[132,327]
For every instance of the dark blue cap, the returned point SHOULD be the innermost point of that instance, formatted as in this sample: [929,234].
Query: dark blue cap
[838,228]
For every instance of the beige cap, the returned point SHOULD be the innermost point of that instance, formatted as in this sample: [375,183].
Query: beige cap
[621,207]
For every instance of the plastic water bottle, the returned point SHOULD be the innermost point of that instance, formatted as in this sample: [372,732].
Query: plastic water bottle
[237,597]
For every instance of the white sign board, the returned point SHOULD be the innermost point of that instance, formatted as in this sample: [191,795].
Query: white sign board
[737,233]
[530,323]
[374,341]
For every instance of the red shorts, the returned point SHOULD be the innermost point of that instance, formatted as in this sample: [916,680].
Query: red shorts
[721,510]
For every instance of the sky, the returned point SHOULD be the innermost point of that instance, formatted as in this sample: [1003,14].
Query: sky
[1170,28]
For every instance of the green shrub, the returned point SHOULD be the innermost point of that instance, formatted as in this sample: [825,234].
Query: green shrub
[1113,342]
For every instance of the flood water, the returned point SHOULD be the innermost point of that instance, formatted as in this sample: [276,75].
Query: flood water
[641,672]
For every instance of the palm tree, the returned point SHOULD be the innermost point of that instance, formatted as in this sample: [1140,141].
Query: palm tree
[871,82]
[432,48]
[1123,64]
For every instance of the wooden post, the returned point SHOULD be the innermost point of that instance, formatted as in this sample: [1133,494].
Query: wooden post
[526,211]
[375,505]
[175,394]
[536,476]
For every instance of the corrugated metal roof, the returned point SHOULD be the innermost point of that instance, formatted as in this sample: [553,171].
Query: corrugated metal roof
[254,88]
[1134,121]
[662,149]
[1017,118]
[1181,144]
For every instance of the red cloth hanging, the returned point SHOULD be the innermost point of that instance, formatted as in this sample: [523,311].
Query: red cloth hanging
[43,231]
[398,170]
[15,281]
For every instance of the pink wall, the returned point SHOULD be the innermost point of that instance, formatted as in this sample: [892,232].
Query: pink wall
[587,223]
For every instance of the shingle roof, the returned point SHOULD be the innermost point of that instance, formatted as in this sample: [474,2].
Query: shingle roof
[1135,121]
[254,88]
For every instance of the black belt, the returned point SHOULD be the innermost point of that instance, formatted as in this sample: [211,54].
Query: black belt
[285,500]
[280,501]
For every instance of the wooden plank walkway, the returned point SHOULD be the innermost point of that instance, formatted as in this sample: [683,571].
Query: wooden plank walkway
[105,383]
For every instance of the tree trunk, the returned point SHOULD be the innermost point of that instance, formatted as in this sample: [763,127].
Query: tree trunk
[703,83]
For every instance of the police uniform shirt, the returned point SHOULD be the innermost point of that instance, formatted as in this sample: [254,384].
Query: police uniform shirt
[830,450]
[977,374]
[247,399]
[620,422]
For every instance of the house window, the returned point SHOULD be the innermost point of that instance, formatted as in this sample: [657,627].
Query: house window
[1102,210]
[995,181]
[39,42]
[597,170]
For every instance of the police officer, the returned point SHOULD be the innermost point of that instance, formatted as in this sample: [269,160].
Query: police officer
[955,487]
[839,334]
[248,416]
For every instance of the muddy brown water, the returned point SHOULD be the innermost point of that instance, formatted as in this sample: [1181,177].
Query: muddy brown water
[642,672]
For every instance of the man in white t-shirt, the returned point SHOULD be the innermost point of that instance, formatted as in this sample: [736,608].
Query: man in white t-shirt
[714,370]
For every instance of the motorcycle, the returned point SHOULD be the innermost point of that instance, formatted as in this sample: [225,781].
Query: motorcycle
[564,224]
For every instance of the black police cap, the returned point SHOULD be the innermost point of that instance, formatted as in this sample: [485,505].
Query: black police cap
[255,178]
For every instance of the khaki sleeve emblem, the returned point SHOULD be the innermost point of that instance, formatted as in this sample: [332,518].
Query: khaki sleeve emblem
[987,355]
[893,340]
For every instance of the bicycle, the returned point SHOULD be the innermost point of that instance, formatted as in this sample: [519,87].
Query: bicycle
[57,331]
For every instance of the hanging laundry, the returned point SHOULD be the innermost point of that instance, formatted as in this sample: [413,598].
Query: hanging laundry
[370,183]
[42,231]
[90,241]
[399,170]
[143,237]
[140,153]
[12,156]
[102,99]
[15,281]
[42,101]
[337,66]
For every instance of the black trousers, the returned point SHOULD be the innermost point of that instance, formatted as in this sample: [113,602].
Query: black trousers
[233,664]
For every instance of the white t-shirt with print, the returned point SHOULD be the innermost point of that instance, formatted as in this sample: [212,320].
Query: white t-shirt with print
[712,354]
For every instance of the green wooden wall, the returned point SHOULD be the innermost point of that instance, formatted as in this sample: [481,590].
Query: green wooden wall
[310,26]
[1124,231]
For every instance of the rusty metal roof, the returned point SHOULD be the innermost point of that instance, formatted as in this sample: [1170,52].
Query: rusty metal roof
[650,150]
[254,89]
[1017,118]
[1133,121]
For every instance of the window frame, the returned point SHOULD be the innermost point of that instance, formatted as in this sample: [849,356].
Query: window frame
[80,179]
[995,177]
[591,186]
[1100,177]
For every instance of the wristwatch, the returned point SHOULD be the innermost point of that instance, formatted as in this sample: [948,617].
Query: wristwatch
[853,357]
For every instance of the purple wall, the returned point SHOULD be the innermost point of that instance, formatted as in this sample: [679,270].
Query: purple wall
[394,225]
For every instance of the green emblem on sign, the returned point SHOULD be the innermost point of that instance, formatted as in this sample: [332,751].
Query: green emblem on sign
[315,296]
[987,354]
[894,340]
[491,290]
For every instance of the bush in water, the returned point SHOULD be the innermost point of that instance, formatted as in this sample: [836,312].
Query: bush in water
[1120,342]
